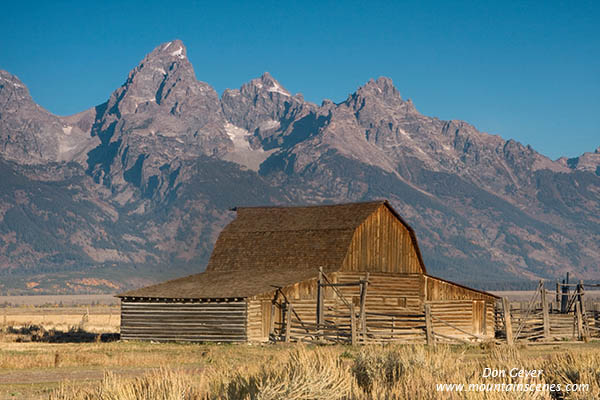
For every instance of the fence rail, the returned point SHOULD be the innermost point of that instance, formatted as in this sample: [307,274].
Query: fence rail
[569,317]
[410,326]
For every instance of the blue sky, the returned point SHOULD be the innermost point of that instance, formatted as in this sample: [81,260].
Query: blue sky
[524,70]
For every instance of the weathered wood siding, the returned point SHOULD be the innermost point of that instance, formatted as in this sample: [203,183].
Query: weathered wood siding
[302,295]
[473,316]
[254,321]
[490,321]
[222,321]
[439,289]
[385,292]
[382,244]
[461,303]
[458,313]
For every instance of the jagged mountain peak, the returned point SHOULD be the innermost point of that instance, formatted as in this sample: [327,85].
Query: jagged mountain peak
[160,114]
[380,94]
[264,84]
[382,87]
[6,78]
[586,162]
[13,92]
[159,145]
[145,83]
[165,56]
[172,49]
[163,79]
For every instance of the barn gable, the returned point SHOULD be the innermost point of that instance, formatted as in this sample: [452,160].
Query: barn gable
[384,242]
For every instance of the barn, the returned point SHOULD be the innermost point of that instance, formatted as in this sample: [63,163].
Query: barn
[343,272]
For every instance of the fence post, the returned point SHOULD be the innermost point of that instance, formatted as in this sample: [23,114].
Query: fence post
[564,300]
[288,322]
[507,321]
[363,300]
[352,325]
[579,320]
[320,301]
[272,324]
[582,311]
[428,325]
[545,316]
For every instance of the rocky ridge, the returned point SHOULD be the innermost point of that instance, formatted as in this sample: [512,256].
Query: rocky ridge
[145,179]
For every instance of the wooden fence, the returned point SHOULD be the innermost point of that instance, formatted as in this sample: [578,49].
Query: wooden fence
[441,321]
[410,326]
[542,319]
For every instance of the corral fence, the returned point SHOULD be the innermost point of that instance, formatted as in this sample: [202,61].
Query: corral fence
[563,314]
[436,322]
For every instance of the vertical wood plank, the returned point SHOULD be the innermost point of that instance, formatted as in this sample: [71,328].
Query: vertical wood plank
[507,321]
[288,322]
[363,300]
[545,314]
[320,297]
[579,321]
[272,327]
[582,308]
[484,322]
[352,325]
[428,325]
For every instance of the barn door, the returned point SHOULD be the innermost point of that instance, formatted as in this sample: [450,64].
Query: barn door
[479,317]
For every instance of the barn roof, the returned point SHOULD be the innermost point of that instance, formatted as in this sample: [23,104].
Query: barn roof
[268,247]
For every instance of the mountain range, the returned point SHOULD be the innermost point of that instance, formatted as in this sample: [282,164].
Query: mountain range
[136,189]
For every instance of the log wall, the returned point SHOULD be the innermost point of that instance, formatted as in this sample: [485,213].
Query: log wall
[464,314]
[223,321]
[385,292]
[439,289]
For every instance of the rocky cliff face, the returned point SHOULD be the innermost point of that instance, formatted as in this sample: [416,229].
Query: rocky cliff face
[586,162]
[31,135]
[144,180]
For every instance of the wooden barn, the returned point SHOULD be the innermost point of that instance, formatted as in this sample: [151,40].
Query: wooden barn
[345,272]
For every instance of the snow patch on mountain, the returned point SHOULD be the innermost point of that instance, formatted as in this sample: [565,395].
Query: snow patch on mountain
[278,89]
[242,153]
[270,124]
[178,53]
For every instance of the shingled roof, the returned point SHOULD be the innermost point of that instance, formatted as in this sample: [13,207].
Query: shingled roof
[268,247]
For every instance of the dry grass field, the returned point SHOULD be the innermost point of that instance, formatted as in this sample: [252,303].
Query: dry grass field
[134,370]
[67,358]
[99,319]
[66,300]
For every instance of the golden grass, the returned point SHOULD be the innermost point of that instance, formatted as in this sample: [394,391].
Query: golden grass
[292,372]
[164,384]
[368,373]
[101,319]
